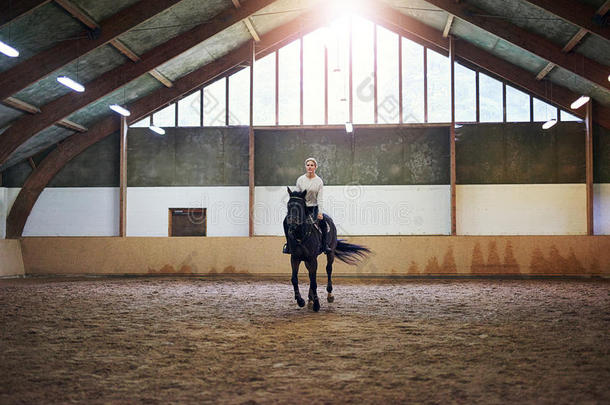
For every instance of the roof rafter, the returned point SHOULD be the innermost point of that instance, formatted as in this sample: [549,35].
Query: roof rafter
[75,144]
[46,62]
[10,11]
[78,13]
[577,64]
[574,12]
[23,129]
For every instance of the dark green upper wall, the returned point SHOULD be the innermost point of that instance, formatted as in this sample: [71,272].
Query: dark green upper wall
[520,153]
[372,156]
[601,154]
[188,157]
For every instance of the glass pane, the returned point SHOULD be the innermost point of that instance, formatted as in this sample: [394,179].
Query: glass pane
[517,105]
[362,71]
[338,71]
[465,94]
[313,77]
[387,76]
[214,103]
[439,87]
[189,110]
[289,84]
[264,90]
[412,81]
[166,117]
[239,97]
[143,123]
[543,111]
[566,116]
[490,99]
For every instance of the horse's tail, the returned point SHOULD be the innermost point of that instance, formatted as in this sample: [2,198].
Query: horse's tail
[350,253]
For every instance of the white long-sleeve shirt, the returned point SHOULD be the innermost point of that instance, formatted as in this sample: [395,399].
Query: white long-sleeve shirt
[314,187]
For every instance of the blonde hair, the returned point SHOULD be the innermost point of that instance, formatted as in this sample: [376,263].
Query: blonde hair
[311,160]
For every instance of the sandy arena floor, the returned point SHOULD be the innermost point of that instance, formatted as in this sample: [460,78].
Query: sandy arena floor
[244,341]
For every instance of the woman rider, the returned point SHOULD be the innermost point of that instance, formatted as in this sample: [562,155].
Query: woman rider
[314,185]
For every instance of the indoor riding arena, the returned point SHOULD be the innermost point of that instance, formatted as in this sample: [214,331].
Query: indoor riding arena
[149,157]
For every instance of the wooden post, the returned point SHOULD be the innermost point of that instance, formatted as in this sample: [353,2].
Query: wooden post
[251,146]
[452,135]
[123,179]
[589,165]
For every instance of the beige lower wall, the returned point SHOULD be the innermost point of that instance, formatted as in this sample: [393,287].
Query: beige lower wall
[392,255]
[11,262]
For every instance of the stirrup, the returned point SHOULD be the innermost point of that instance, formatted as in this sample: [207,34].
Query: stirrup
[285,249]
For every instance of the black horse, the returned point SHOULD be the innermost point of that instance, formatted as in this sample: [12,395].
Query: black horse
[304,237]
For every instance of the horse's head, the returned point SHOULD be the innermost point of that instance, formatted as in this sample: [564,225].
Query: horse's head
[296,208]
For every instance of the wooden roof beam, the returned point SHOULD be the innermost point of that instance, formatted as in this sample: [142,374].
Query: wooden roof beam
[11,10]
[20,105]
[71,125]
[78,13]
[161,78]
[236,3]
[567,48]
[23,129]
[125,50]
[575,12]
[586,68]
[250,26]
[46,62]
[448,25]
[603,9]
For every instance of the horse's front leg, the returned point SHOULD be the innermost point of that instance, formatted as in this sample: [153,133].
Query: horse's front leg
[294,262]
[312,267]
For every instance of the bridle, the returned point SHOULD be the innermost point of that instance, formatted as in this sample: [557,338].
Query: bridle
[299,222]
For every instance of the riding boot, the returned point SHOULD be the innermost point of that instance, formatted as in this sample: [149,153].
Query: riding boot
[323,228]
[286,249]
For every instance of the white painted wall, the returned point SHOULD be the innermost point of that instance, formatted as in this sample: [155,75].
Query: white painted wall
[148,208]
[601,209]
[3,212]
[357,210]
[521,209]
[365,210]
[92,211]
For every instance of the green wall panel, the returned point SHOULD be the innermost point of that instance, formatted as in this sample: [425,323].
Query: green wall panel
[601,154]
[520,153]
[188,157]
[369,156]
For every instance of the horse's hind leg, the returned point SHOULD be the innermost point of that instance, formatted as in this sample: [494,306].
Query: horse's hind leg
[330,257]
[312,267]
[295,281]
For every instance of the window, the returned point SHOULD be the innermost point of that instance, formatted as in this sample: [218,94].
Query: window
[363,96]
[239,97]
[166,117]
[387,77]
[465,94]
[313,78]
[439,87]
[187,222]
[289,84]
[264,90]
[143,123]
[566,116]
[338,71]
[517,105]
[214,103]
[543,111]
[412,82]
[490,99]
[189,110]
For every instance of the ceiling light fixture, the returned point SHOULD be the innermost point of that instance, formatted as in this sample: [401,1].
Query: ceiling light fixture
[156,129]
[121,110]
[582,100]
[66,81]
[549,124]
[349,128]
[8,50]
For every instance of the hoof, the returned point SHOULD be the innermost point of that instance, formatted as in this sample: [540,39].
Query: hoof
[301,302]
[330,298]
[316,305]
[309,304]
